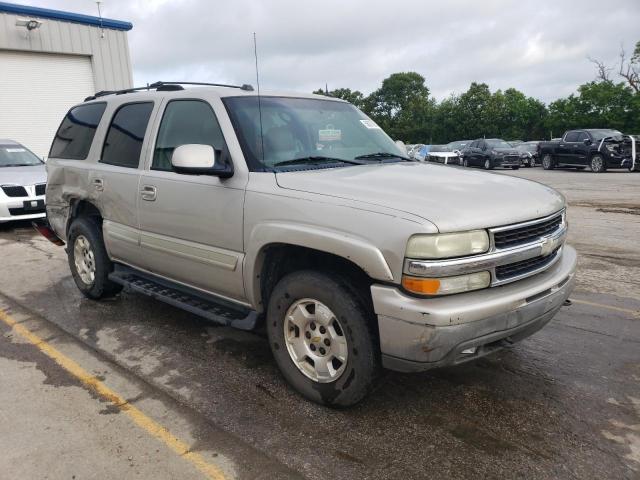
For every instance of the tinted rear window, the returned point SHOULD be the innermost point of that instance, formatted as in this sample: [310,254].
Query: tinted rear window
[73,138]
[123,144]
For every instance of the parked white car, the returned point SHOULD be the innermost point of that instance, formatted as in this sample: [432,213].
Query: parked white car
[23,180]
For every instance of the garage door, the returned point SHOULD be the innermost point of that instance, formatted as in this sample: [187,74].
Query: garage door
[36,90]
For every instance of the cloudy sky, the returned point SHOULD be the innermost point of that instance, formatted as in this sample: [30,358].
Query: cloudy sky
[538,46]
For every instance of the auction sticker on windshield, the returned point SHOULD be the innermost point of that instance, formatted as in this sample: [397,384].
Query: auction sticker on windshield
[14,150]
[329,135]
[369,123]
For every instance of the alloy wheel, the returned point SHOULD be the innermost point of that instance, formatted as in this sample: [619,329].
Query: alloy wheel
[84,260]
[315,340]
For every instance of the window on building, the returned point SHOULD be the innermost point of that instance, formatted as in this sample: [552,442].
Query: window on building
[75,135]
[123,143]
[185,122]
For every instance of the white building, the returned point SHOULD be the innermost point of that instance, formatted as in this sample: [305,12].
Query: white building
[51,60]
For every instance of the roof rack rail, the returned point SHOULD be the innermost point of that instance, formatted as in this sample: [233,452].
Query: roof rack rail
[165,87]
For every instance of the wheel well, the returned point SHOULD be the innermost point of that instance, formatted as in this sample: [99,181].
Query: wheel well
[83,208]
[282,259]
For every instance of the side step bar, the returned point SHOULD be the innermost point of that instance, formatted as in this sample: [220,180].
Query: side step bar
[212,308]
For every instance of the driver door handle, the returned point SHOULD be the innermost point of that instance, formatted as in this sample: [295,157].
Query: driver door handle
[148,193]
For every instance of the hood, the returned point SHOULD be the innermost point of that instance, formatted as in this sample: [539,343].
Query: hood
[23,175]
[507,151]
[453,199]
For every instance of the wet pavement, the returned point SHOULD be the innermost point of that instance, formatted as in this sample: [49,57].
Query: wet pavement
[564,403]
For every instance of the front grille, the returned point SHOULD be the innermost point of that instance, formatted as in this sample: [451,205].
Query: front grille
[511,158]
[41,188]
[14,191]
[523,267]
[526,234]
[24,211]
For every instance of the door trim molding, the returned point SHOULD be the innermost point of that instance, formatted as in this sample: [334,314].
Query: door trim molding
[218,257]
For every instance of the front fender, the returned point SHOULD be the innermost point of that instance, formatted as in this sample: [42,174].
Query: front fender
[355,249]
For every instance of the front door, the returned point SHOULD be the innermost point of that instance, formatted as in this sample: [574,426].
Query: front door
[581,150]
[191,225]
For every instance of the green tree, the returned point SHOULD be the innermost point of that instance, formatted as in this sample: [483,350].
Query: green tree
[353,96]
[402,106]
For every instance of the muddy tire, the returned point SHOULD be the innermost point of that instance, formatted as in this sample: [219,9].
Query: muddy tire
[88,260]
[323,338]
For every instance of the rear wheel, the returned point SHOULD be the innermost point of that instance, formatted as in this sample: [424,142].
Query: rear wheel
[597,164]
[88,260]
[322,338]
[465,162]
[547,162]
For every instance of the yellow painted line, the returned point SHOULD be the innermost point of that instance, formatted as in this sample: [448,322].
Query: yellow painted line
[635,313]
[150,426]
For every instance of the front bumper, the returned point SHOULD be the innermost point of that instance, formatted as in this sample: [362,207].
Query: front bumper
[418,334]
[13,208]
[506,162]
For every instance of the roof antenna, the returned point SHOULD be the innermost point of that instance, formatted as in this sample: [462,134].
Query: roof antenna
[255,53]
[100,15]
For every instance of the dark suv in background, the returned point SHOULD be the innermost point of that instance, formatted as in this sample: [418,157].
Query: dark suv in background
[490,153]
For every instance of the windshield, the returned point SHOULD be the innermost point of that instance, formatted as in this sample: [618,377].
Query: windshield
[303,128]
[600,134]
[457,145]
[497,143]
[527,147]
[17,156]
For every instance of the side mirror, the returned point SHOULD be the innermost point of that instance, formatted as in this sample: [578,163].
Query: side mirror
[196,159]
[586,141]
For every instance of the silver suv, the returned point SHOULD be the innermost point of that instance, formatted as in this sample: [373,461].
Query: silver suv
[298,213]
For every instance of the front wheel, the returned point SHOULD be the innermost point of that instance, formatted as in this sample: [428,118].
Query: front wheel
[597,164]
[547,162]
[88,260]
[487,164]
[465,162]
[322,337]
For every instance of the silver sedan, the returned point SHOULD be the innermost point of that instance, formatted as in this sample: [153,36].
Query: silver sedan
[23,181]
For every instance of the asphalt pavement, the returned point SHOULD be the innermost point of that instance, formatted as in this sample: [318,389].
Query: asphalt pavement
[133,388]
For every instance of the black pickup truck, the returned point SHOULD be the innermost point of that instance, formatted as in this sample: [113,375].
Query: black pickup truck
[597,148]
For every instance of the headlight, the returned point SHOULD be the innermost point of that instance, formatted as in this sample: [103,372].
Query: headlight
[448,245]
[446,285]
[610,147]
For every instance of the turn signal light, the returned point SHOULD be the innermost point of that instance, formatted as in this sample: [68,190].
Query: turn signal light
[446,285]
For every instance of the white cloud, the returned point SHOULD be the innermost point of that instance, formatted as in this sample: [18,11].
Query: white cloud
[537,46]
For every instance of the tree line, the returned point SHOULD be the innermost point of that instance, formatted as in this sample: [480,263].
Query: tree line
[404,107]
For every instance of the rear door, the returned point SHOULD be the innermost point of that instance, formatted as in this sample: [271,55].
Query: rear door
[115,179]
[191,225]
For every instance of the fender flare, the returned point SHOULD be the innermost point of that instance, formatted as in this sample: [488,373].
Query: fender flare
[350,247]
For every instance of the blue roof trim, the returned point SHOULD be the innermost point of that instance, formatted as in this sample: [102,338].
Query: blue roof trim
[65,16]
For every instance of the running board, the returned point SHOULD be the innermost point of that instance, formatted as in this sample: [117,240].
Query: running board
[212,308]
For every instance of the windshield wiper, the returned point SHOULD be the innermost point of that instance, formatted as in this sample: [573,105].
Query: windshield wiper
[381,156]
[314,160]
[19,165]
